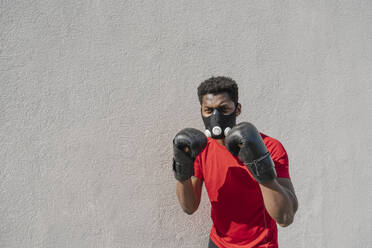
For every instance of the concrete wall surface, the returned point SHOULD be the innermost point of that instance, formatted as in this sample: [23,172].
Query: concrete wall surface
[92,93]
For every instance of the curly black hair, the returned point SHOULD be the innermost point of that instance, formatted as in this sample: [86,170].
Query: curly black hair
[216,85]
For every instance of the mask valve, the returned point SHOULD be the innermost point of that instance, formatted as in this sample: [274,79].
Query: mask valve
[216,130]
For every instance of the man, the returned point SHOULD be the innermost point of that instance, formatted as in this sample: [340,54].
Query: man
[245,172]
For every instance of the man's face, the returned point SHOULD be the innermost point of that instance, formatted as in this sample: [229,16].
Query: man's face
[221,101]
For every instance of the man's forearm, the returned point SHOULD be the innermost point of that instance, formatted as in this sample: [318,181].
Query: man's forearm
[279,204]
[186,196]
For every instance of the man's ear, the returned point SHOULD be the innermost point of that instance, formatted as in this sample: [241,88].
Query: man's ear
[238,109]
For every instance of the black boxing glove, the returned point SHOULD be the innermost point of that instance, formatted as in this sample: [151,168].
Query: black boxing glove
[187,144]
[252,152]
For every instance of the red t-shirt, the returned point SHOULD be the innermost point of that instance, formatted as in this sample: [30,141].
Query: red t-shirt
[240,219]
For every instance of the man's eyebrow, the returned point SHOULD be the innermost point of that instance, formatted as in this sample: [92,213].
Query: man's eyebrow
[222,104]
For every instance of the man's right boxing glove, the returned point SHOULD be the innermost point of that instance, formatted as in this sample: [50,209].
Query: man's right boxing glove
[187,144]
[245,142]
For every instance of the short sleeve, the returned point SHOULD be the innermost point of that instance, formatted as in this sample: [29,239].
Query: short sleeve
[198,167]
[280,158]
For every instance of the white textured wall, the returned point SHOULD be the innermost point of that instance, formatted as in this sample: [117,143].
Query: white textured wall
[92,93]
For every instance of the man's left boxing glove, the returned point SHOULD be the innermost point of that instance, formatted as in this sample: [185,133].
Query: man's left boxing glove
[187,144]
[245,142]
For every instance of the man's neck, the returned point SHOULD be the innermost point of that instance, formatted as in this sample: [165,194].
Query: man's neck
[221,141]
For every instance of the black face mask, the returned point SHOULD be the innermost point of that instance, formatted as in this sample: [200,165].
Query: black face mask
[218,125]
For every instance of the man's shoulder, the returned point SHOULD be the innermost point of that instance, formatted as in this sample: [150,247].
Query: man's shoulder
[272,144]
[268,138]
